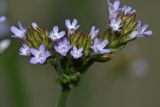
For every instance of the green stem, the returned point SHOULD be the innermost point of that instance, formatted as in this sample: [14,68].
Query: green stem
[63,97]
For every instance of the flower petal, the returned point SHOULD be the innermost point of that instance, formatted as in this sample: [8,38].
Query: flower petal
[74,23]
[104,43]
[67,22]
[42,49]
[34,52]
[106,51]
[148,33]
[62,33]
[116,4]
[34,60]
[55,29]
[144,27]
[18,33]
[80,50]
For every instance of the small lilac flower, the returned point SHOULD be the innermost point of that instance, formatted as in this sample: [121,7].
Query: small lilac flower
[55,35]
[2,19]
[40,56]
[34,25]
[141,31]
[72,27]
[19,33]
[4,26]
[113,8]
[98,47]
[63,47]
[115,24]
[24,50]
[4,44]
[76,53]
[127,10]
[94,32]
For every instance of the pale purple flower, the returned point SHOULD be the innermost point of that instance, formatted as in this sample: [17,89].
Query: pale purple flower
[4,44]
[72,27]
[127,10]
[19,32]
[94,32]
[2,19]
[4,26]
[40,56]
[115,24]
[141,31]
[76,53]
[55,34]
[24,50]
[113,8]
[98,47]
[62,47]
[34,25]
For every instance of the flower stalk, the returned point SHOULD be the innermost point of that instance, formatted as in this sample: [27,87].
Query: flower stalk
[63,97]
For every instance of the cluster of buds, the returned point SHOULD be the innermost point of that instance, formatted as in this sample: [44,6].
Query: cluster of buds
[73,52]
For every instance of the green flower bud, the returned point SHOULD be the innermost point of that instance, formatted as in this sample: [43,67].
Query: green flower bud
[37,36]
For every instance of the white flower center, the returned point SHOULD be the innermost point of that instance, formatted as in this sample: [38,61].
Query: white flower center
[55,36]
[63,49]
[40,56]
[77,54]
[115,27]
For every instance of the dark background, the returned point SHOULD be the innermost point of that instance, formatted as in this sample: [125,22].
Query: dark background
[131,79]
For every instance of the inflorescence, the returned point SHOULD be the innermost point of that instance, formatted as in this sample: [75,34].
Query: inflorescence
[71,52]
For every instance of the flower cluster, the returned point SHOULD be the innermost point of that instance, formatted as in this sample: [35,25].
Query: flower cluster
[62,44]
[123,20]
[71,52]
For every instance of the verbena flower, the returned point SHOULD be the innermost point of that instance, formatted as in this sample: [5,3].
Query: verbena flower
[94,32]
[55,34]
[24,50]
[113,8]
[115,24]
[63,47]
[4,44]
[19,32]
[76,53]
[127,10]
[99,47]
[40,55]
[72,26]
[141,31]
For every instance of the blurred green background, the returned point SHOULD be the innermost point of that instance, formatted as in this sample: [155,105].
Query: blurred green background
[131,79]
